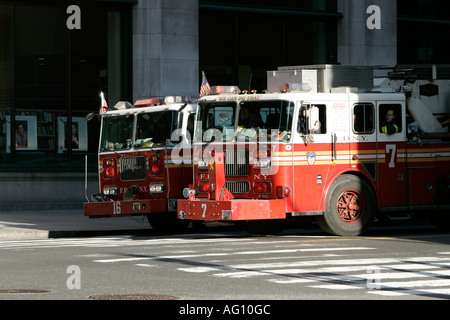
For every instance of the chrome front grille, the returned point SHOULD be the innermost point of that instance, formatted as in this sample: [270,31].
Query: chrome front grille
[132,168]
[238,186]
[237,162]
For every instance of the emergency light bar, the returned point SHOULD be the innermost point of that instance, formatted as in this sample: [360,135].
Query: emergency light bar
[289,87]
[224,89]
[147,102]
[122,105]
[176,99]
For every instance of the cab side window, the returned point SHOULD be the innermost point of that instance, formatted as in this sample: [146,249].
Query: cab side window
[312,119]
[363,118]
[390,118]
[190,126]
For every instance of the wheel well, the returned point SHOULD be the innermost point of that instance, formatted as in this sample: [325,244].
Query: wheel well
[350,173]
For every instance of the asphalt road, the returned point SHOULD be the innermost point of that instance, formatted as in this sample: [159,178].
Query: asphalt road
[394,263]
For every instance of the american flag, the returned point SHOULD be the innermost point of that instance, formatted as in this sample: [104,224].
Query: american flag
[104,105]
[204,89]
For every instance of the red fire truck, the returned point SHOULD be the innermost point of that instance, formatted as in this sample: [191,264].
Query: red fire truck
[144,160]
[305,150]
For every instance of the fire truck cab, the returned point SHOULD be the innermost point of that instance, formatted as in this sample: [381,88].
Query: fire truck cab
[139,172]
[262,158]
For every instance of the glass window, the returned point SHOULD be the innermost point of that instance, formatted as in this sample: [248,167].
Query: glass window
[265,120]
[312,119]
[271,119]
[390,118]
[50,78]
[363,118]
[216,121]
[40,58]
[190,126]
[31,130]
[244,58]
[4,125]
[154,129]
[117,133]
[436,9]
[325,5]
[423,31]
[6,72]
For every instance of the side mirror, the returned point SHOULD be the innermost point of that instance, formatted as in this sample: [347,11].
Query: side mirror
[90,116]
[307,138]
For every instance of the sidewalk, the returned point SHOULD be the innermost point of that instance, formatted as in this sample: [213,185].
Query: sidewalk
[33,225]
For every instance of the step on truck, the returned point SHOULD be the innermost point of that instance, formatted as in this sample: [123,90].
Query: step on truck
[144,161]
[312,150]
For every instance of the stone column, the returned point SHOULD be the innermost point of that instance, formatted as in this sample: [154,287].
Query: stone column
[359,44]
[165,48]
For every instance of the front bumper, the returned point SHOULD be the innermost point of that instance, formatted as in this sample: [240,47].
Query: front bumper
[124,208]
[231,210]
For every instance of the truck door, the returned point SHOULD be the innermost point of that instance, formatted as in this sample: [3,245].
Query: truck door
[391,154]
[311,157]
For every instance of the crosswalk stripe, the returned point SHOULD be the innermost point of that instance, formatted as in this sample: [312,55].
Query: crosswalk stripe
[362,277]
[429,292]
[331,267]
[250,267]
[219,254]
[112,242]
[388,285]
[392,275]
[400,276]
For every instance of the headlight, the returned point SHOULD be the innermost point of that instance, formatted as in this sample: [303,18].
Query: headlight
[111,191]
[157,187]
[188,191]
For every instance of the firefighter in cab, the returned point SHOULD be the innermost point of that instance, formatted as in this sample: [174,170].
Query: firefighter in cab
[389,126]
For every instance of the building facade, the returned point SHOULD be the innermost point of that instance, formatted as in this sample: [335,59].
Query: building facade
[57,56]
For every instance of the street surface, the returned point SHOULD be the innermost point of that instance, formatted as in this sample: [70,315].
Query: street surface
[398,262]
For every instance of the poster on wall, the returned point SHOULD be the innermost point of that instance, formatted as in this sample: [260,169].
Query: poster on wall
[24,133]
[78,133]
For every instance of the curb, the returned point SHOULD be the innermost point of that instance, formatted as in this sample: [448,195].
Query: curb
[24,234]
[45,234]
[97,233]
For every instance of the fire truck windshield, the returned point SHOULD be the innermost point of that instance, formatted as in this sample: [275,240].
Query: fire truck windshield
[154,129]
[117,132]
[216,121]
[269,120]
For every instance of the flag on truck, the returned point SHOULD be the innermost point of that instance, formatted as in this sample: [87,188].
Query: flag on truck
[104,105]
[204,89]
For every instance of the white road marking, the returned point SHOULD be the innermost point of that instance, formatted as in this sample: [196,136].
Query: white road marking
[216,254]
[388,285]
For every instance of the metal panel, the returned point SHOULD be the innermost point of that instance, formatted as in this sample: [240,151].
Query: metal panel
[333,76]
[237,162]
[238,186]
[132,168]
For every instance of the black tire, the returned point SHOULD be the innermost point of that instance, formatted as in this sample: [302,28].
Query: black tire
[350,207]
[441,219]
